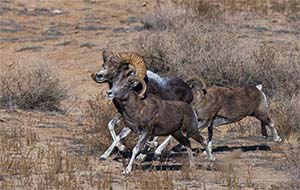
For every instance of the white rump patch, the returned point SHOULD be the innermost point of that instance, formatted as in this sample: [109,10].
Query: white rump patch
[162,81]
[259,87]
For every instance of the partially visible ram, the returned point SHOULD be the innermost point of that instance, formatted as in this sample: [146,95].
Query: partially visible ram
[218,106]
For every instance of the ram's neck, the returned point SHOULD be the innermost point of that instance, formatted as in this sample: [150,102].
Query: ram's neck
[130,107]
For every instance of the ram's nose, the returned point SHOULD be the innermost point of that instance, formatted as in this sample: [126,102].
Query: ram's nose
[99,75]
[109,94]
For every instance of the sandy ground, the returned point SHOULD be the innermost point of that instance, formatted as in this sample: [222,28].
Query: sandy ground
[70,35]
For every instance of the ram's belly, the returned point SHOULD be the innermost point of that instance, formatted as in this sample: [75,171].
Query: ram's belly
[167,123]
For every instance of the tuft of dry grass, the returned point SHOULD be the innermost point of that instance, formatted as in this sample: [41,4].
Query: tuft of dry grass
[36,87]
[155,180]
[286,114]
[229,176]
[292,162]
[98,114]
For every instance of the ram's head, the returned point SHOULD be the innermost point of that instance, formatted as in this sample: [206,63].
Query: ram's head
[114,64]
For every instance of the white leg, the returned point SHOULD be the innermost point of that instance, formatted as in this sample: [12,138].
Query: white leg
[150,144]
[124,133]
[142,139]
[208,150]
[191,157]
[153,143]
[276,137]
[162,146]
[111,127]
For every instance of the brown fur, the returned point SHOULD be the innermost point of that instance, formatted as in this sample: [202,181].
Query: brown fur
[232,104]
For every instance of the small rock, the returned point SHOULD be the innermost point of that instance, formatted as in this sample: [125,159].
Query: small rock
[56,11]
[87,45]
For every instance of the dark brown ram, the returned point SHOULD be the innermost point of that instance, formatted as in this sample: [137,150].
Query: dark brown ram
[152,116]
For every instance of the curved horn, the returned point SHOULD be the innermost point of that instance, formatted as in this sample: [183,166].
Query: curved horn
[106,54]
[135,60]
[193,79]
[136,78]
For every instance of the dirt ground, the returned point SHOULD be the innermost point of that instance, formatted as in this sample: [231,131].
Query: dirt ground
[70,36]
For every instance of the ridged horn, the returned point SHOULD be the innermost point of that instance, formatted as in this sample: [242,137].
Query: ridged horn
[192,80]
[106,54]
[144,85]
[135,60]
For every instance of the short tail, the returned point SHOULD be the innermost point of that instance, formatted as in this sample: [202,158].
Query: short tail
[259,87]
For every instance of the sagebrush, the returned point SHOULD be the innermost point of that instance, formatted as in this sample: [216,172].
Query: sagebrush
[34,87]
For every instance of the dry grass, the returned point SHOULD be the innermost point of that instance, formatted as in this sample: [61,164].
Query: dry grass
[26,162]
[155,180]
[189,37]
[98,115]
[286,114]
[292,163]
[36,87]
[214,51]
[229,174]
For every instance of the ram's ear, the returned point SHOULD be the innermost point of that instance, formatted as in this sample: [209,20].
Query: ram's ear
[106,54]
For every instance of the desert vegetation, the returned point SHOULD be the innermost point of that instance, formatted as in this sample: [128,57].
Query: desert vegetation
[182,41]
[45,145]
[35,87]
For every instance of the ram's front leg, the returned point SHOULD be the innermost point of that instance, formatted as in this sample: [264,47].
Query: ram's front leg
[162,147]
[142,139]
[111,126]
[124,133]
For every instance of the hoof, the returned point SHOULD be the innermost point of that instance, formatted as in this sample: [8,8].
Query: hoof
[121,148]
[212,158]
[156,156]
[102,158]
[278,140]
[141,157]
[126,172]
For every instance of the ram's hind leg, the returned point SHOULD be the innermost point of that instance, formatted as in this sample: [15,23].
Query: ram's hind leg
[199,138]
[186,142]
[266,121]
[263,130]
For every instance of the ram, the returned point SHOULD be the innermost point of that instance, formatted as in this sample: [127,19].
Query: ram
[115,65]
[218,106]
[152,116]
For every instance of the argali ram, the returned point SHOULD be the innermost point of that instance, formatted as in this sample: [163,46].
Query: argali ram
[218,106]
[114,65]
[173,88]
[152,116]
